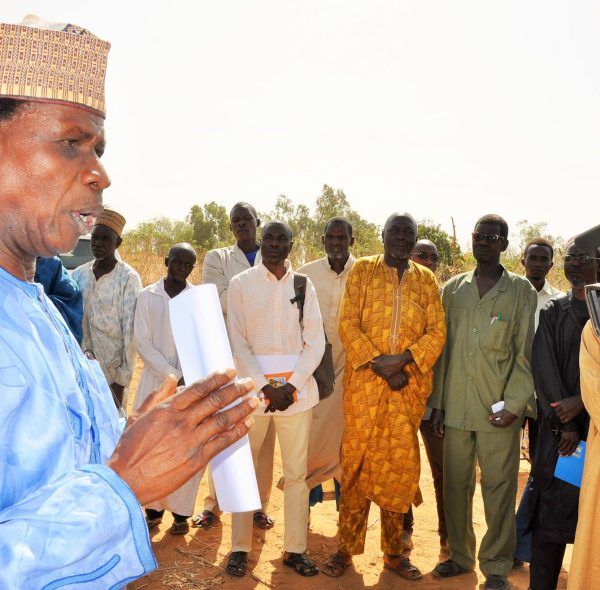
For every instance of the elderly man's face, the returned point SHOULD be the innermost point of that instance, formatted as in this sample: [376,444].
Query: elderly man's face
[51,179]
[399,237]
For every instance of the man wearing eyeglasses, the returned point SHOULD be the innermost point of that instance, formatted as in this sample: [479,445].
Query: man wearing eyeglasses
[563,419]
[489,319]
[426,254]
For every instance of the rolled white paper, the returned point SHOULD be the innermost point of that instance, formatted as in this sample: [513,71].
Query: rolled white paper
[203,347]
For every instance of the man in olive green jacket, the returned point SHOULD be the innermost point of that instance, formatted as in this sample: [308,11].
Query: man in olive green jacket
[490,327]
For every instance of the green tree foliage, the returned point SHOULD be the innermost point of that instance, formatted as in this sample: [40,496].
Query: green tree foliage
[157,236]
[210,226]
[300,221]
[428,230]
[308,229]
[526,231]
[334,203]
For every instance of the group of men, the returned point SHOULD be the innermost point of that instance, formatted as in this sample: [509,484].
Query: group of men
[461,365]
[408,356]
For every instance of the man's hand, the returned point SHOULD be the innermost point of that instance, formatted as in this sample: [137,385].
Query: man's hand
[171,437]
[280,398]
[118,391]
[568,443]
[566,409]
[398,381]
[387,365]
[436,422]
[502,418]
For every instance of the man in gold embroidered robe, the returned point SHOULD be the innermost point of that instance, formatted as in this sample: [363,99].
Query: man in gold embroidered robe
[393,330]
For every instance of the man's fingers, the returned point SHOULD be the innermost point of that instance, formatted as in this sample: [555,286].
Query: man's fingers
[202,388]
[217,423]
[165,390]
[224,439]
[218,399]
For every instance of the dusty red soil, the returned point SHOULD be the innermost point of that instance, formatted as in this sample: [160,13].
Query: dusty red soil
[197,559]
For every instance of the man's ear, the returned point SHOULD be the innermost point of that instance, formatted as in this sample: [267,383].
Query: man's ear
[119,241]
[291,246]
[505,245]
[523,263]
[257,222]
[351,242]
[166,261]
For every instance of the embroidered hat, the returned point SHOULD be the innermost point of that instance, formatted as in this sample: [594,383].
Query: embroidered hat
[54,62]
[113,220]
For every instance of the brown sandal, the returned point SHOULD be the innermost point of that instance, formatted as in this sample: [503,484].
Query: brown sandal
[205,520]
[402,567]
[262,520]
[335,565]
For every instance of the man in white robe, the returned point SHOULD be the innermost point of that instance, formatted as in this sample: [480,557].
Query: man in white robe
[155,345]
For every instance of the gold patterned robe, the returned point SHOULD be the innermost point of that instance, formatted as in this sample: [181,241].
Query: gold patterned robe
[585,566]
[381,314]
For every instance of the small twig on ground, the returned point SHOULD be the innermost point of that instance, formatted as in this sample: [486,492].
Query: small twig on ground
[373,524]
[198,558]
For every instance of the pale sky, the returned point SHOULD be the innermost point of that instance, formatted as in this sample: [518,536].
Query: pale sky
[435,107]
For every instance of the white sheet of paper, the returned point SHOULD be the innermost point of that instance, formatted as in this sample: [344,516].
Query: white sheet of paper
[203,347]
[271,364]
[498,406]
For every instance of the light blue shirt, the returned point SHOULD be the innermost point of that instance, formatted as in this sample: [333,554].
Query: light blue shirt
[65,518]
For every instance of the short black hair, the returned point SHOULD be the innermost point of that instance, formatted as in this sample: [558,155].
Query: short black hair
[278,222]
[9,107]
[343,220]
[496,220]
[539,242]
[245,206]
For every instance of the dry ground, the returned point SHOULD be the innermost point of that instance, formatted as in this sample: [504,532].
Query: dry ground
[196,560]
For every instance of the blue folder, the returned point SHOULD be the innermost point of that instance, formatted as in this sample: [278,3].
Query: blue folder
[570,469]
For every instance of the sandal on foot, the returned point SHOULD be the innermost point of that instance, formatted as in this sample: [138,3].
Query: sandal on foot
[263,521]
[335,565]
[402,567]
[304,566]
[179,528]
[205,520]
[448,569]
[237,563]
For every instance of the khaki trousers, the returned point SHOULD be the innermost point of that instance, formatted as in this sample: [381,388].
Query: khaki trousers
[498,456]
[292,434]
[264,475]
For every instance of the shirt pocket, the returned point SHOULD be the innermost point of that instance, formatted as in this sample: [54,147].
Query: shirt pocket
[496,336]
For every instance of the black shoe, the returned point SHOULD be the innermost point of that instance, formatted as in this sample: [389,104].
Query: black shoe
[495,582]
[448,569]
[237,564]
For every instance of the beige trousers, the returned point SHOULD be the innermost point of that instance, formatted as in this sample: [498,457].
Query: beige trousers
[292,434]
[264,475]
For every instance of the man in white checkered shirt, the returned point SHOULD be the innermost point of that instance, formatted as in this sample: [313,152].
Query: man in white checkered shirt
[263,319]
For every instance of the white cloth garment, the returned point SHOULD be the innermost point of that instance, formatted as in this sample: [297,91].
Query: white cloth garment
[156,347]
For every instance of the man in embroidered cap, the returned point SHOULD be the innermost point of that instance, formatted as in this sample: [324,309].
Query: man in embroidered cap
[71,493]
[110,288]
